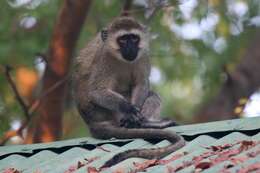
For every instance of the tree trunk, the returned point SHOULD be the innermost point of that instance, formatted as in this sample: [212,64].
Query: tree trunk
[48,124]
[241,83]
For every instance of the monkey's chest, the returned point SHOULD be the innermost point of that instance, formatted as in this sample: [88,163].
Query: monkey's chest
[124,86]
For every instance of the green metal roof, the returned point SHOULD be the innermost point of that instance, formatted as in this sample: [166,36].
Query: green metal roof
[211,147]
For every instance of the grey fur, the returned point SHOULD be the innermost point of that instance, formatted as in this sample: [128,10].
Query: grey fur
[113,96]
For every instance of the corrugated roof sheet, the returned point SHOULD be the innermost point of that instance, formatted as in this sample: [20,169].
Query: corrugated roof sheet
[224,146]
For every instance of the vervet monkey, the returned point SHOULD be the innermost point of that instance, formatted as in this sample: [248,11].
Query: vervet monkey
[112,91]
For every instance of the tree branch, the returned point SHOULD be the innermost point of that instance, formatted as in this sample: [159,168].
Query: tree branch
[16,93]
[28,110]
[65,34]
[239,85]
[37,102]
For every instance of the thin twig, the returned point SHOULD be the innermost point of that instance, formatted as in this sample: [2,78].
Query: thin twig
[32,108]
[12,133]
[37,102]
[9,134]
[126,8]
[16,93]
[153,7]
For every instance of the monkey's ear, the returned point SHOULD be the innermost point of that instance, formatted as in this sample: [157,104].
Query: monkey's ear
[104,34]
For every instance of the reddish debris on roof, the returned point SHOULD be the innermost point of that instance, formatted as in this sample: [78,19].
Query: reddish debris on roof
[231,146]
[216,155]
[11,170]
[251,168]
[138,167]
[92,170]
[80,164]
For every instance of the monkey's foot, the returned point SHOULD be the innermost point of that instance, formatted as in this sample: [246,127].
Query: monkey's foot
[168,122]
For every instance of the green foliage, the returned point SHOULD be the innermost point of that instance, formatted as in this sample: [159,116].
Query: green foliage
[19,46]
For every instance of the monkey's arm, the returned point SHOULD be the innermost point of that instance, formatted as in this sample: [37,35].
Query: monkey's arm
[140,94]
[112,100]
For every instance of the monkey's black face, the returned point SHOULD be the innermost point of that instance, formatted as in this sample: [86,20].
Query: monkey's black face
[129,46]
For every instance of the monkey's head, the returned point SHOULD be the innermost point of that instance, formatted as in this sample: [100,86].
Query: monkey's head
[126,39]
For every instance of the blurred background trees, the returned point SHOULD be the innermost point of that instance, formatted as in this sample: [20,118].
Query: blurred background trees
[205,59]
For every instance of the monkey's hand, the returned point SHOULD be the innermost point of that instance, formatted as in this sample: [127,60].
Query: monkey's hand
[128,108]
[131,121]
[132,116]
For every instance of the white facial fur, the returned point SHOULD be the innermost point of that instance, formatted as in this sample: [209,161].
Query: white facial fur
[143,44]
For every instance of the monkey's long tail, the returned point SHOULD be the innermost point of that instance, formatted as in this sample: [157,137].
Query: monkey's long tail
[154,153]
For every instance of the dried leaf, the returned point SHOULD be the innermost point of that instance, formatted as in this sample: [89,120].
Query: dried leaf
[246,144]
[183,165]
[220,147]
[250,168]
[92,170]
[254,153]
[215,148]
[175,157]
[91,160]
[230,153]
[238,160]
[11,170]
[205,155]
[219,159]
[203,165]
[120,170]
[71,169]
[145,164]
[224,171]
[80,164]
[228,166]
[102,148]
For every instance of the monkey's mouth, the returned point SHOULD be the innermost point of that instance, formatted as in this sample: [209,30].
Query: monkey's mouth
[129,54]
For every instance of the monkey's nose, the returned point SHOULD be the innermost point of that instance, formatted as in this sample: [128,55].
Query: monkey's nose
[130,54]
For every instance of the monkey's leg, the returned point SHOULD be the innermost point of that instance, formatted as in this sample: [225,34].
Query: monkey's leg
[111,100]
[151,108]
[107,130]
[151,111]
[114,101]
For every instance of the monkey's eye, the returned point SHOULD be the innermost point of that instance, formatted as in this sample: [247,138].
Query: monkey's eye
[135,39]
[122,41]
